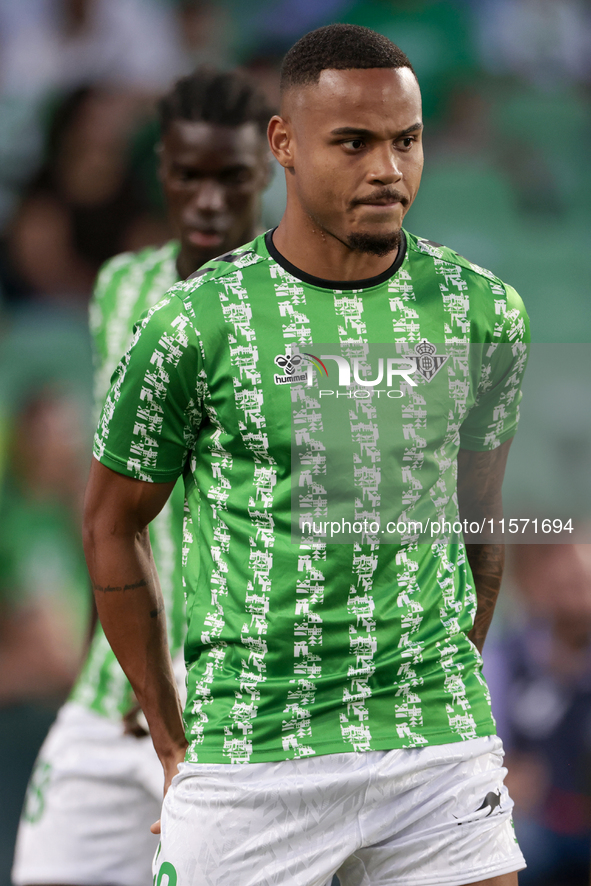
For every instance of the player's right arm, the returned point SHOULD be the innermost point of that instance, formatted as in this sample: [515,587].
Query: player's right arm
[117,512]
[147,429]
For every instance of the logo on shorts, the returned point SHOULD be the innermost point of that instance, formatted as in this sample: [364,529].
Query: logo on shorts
[491,802]
[36,792]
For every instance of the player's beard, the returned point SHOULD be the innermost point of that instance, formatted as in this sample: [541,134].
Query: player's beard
[374,244]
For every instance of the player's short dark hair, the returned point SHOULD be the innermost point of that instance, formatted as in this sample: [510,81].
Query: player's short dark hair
[339,47]
[225,98]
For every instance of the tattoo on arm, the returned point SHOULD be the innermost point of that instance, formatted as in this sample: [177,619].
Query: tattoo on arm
[156,612]
[142,583]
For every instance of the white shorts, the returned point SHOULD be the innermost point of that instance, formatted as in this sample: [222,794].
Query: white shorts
[91,800]
[434,816]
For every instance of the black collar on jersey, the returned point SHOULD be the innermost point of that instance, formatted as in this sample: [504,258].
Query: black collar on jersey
[335,284]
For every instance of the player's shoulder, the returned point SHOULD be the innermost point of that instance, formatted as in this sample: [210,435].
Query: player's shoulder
[207,279]
[489,296]
[487,292]
[444,255]
[141,262]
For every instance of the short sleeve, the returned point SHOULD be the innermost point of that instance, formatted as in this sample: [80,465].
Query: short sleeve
[494,417]
[153,410]
[101,296]
[101,307]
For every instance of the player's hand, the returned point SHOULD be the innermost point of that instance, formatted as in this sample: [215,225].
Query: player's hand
[171,769]
[134,722]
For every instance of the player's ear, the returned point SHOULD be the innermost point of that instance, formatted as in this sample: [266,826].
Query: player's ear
[280,140]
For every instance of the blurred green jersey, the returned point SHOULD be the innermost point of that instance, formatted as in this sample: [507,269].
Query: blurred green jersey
[127,286]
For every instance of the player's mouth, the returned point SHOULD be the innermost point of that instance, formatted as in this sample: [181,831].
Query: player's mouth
[382,206]
[205,239]
[383,200]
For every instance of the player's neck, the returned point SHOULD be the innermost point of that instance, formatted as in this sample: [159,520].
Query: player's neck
[187,264]
[321,255]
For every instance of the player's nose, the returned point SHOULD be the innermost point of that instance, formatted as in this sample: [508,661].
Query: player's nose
[209,196]
[385,167]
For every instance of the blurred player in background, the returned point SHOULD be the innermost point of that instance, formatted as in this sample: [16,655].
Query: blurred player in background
[97,784]
[539,673]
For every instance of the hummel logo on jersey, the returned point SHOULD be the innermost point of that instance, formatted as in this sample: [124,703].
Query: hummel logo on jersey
[290,363]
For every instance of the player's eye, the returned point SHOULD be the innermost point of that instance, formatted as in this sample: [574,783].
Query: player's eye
[355,144]
[236,176]
[186,174]
[407,141]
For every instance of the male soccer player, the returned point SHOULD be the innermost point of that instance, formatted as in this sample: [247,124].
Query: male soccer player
[337,719]
[96,790]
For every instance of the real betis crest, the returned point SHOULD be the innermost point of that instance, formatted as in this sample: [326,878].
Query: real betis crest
[428,363]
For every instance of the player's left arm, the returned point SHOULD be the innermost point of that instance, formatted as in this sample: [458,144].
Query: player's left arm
[480,478]
[485,437]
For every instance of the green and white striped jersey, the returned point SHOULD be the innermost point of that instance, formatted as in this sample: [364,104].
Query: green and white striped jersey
[126,287]
[313,648]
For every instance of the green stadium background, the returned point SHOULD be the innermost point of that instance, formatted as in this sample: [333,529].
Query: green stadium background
[507,183]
